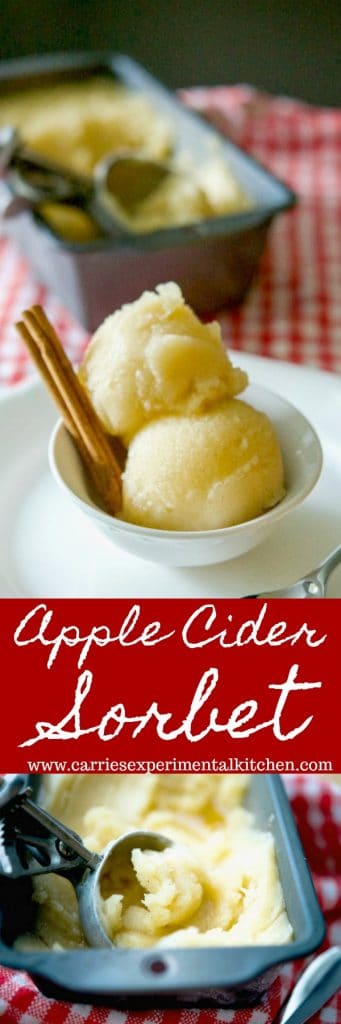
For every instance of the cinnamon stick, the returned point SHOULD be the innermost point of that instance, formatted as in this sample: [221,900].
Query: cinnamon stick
[74,405]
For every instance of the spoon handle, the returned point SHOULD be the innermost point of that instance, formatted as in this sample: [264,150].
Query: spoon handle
[317,984]
[326,567]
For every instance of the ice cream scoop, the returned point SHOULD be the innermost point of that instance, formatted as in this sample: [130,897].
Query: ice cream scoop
[116,857]
[54,847]
[121,182]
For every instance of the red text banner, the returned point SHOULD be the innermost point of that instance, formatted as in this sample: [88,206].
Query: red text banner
[165,685]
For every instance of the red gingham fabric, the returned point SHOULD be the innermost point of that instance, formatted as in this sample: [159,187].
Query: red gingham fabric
[317,809]
[294,309]
[294,312]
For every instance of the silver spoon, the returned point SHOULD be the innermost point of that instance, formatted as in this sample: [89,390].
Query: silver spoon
[63,851]
[312,585]
[120,183]
[315,986]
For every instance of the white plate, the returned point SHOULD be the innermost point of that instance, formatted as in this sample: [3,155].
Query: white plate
[49,548]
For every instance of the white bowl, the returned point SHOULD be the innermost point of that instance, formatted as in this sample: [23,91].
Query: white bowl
[302,457]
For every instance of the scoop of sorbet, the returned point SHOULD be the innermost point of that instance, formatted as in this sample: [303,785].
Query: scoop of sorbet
[154,357]
[203,472]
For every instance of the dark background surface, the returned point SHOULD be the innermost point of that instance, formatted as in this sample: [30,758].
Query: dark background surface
[283,46]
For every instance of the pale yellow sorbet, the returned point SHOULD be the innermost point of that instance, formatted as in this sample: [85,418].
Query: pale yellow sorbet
[198,457]
[203,472]
[75,124]
[217,885]
[154,357]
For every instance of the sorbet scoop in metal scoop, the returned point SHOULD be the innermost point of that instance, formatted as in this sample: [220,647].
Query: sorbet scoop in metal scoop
[120,182]
[33,842]
[98,878]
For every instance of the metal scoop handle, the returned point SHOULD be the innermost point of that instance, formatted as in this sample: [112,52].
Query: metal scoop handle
[31,840]
[66,837]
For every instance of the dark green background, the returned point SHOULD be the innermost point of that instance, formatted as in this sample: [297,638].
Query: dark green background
[291,47]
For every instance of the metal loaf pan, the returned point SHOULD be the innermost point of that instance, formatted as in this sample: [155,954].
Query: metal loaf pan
[230,977]
[213,261]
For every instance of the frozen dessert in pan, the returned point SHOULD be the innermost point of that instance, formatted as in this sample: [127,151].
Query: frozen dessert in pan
[75,124]
[198,457]
[174,898]
[218,885]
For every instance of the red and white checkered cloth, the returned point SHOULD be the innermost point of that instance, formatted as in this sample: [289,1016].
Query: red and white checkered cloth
[294,309]
[317,808]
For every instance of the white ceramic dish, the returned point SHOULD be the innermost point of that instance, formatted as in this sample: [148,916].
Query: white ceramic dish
[49,548]
[302,457]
